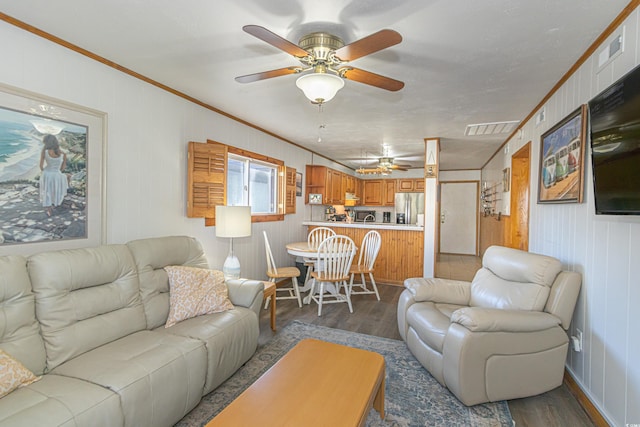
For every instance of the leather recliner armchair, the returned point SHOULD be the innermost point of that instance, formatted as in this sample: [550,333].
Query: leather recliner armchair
[502,335]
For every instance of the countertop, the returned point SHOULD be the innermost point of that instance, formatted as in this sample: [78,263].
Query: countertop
[371,225]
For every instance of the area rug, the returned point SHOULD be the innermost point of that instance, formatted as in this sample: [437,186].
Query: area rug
[412,396]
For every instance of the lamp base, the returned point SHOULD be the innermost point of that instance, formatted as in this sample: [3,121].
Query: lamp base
[231,267]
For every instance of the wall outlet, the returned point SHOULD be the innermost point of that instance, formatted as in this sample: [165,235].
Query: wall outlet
[580,339]
[577,341]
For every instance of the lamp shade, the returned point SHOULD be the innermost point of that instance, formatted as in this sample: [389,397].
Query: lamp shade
[233,221]
[320,87]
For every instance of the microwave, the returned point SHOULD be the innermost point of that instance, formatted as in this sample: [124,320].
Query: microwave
[361,215]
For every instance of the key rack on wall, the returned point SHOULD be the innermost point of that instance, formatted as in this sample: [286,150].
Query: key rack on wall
[489,197]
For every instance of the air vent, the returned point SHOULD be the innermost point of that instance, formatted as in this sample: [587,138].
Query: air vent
[496,128]
[610,51]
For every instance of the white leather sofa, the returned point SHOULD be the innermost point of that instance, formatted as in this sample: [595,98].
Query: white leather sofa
[91,322]
[501,336]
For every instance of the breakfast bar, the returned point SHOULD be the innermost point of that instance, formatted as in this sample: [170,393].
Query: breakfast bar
[401,254]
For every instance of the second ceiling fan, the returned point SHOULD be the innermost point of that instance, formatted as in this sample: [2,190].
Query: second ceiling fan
[384,167]
[327,56]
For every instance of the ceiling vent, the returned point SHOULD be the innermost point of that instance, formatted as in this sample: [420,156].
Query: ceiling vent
[495,128]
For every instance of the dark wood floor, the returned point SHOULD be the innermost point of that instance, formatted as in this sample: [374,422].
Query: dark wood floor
[555,408]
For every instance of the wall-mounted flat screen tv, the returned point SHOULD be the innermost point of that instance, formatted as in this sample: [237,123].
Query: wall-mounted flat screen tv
[615,146]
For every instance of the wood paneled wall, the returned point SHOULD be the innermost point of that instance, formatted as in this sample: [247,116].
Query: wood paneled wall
[494,232]
[401,253]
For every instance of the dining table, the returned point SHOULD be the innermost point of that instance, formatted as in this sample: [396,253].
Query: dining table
[304,250]
[301,249]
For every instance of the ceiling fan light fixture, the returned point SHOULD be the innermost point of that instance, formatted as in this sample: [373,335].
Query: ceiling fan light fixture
[386,161]
[320,87]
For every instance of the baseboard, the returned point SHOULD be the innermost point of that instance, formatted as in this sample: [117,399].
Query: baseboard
[584,401]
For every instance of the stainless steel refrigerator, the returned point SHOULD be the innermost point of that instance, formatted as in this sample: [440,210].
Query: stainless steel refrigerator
[411,205]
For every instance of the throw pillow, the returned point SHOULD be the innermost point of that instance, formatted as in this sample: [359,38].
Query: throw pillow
[13,374]
[194,292]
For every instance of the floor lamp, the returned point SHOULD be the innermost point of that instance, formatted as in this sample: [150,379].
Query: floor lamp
[232,221]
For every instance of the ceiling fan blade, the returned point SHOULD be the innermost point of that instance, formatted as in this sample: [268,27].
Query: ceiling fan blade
[361,159]
[275,40]
[368,170]
[369,78]
[368,45]
[399,167]
[249,78]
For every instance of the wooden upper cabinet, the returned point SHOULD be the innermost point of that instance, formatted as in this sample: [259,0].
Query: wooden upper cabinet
[358,190]
[327,197]
[372,192]
[332,184]
[350,184]
[407,185]
[206,179]
[336,188]
[316,182]
[389,192]
[290,190]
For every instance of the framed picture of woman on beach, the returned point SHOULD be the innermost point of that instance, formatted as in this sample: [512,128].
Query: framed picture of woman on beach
[51,174]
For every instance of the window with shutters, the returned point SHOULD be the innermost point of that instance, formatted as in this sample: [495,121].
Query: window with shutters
[223,175]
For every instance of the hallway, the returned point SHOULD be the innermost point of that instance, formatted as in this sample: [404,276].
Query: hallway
[458,267]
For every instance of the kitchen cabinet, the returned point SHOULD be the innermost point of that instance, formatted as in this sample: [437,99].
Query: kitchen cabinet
[349,183]
[332,184]
[372,192]
[336,189]
[389,195]
[410,185]
[316,182]
[358,190]
[381,192]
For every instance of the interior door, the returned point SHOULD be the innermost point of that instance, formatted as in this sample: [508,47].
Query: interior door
[459,217]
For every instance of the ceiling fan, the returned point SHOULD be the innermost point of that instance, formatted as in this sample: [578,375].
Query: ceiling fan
[326,55]
[384,167]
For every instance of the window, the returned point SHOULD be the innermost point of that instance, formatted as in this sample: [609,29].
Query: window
[220,174]
[252,182]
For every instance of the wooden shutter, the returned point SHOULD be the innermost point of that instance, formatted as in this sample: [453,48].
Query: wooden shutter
[206,179]
[290,191]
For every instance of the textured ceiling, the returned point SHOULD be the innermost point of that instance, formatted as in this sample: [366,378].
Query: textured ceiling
[463,62]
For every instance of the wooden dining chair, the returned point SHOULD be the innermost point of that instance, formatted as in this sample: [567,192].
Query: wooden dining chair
[274,273]
[334,257]
[369,249]
[314,238]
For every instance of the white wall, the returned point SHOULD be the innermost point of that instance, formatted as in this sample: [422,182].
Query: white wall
[459,175]
[604,249]
[148,132]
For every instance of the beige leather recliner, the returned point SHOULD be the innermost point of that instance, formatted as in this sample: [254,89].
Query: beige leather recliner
[502,335]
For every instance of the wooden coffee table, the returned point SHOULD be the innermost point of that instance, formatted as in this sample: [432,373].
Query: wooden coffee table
[316,383]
